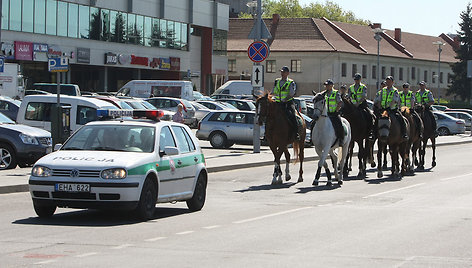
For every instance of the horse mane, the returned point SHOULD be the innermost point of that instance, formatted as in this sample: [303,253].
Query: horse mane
[385,113]
[318,97]
[405,110]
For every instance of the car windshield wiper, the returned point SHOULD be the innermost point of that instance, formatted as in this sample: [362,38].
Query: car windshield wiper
[107,149]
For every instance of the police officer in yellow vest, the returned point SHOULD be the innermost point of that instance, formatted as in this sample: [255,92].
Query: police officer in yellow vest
[408,99]
[283,92]
[334,104]
[358,95]
[388,99]
[425,97]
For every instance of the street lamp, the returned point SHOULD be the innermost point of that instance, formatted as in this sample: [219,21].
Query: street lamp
[439,44]
[378,37]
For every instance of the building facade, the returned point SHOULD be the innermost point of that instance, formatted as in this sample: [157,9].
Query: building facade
[109,42]
[318,49]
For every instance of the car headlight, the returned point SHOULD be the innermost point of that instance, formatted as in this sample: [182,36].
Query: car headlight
[40,171]
[113,173]
[28,139]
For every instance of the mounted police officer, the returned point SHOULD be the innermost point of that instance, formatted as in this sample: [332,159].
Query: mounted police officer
[334,104]
[283,92]
[358,95]
[408,99]
[388,99]
[425,97]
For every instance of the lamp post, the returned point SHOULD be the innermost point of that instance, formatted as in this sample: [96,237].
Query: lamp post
[377,32]
[439,44]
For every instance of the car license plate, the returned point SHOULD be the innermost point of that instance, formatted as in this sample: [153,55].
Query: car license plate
[72,187]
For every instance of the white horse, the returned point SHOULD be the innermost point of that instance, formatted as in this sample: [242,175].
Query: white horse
[325,141]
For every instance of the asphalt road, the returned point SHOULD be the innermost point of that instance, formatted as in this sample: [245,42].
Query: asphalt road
[420,221]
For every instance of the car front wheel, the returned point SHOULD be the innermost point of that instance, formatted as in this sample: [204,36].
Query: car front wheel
[7,157]
[199,195]
[218,140]
[147,201]
[44,211]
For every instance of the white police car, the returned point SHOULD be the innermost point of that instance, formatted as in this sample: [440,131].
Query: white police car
[129,164]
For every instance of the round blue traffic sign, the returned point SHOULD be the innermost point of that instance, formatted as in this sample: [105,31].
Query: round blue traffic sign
[258,51]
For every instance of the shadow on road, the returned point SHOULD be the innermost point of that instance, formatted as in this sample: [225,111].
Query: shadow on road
[304,190]
[266,187]
[384,179]
[99,218]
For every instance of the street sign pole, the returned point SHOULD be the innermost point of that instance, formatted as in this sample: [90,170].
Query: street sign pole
[256,141]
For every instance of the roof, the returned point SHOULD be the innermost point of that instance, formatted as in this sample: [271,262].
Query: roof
[52,98]
[323,35]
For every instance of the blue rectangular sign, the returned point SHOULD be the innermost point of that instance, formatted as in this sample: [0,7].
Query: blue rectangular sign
[58,64]
[2,65]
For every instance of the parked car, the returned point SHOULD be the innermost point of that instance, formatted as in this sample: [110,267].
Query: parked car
[222,96]
[307,98]
[235,87]
[469,111]
[35,92]
[9,107]
[462,115]
[216,105]
[66,89]
[157,88]
[300,104]
[439,107]
[448,125]
[199,96]
[200,110]
[310,108]
[170,104]
[21,145]
[243,105]
[119,103]
[225,128]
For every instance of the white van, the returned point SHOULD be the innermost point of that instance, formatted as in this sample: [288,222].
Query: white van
[158,88]
[35,110]
[235,87]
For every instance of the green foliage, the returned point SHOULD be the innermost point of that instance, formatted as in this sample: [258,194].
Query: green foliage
[293,9]
[460,84]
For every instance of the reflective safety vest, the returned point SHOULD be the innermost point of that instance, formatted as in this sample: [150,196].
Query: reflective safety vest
[406,99]
[422,99]
[387,99]
[331,101]
[356,96]
[282,92]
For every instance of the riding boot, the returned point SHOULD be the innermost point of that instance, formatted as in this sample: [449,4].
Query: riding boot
[292,119]
[402,125]
[370,119]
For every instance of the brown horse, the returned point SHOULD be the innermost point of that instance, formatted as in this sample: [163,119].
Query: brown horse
[429,133]
[279,134]
[389,133]
[360,133]
[414,141]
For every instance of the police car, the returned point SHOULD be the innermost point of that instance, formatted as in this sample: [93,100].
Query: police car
[128,164]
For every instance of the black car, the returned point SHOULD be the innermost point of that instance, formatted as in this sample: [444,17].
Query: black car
[20,144]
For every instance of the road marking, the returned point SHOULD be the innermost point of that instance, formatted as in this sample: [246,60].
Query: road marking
[184,233]
[44,262]
[211,227]
[325,205]
[154,239]
[456,177]
[271,215]
[86,254]
[122,246]
[396,190]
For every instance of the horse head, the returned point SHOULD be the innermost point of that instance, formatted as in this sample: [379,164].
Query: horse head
[384,126]
[262,107]
[319,106]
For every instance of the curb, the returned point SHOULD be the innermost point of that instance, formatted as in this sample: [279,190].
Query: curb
[21,188]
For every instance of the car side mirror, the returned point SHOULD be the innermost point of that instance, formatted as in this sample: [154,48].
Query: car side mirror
[168,150]
[57,147]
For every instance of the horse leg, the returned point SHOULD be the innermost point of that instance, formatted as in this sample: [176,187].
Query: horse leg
[384,165]
[379,160]
[422,154]
[287,165]
[370,145]
[360,157]
[277,171]
[351,152]
[301,155]
[433,146]
[343,156]
[323,155]
[328,173]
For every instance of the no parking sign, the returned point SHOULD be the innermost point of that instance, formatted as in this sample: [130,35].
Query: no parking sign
[258,51]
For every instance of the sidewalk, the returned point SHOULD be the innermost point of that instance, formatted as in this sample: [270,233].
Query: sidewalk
[237,157]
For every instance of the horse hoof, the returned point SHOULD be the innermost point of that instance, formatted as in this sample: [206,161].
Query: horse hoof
[300,179]
[329,184]
[384,167]
[379,174]
[372,165]
[349,169]
[288,177]
[434,163]
[416,162]
[315,183]
[340,183]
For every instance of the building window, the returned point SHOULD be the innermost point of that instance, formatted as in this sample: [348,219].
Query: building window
[383,72]
[296,66]
[40,16]
[270,66]
[15,15]
[343,69]
[374,72]
[441,77]
[392,72]
[232,66]
[364,71]
[425,76]
[354,69]
[449,78]
[400,74]
[84,21]
[5,11]
[72,28]
[434,77]
[413,73]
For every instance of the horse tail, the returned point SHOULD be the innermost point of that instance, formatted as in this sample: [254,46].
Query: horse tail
[296,148]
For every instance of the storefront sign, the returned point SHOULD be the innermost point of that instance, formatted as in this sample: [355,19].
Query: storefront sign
[23,50]
[164,64]
[144,61]
[54,51]
[111,58]
[174,64]
[154,63]
[124,59]
[8,51]
[40,47]
[83,55]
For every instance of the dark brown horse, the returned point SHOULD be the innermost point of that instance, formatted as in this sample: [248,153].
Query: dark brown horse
[389,133]
[360,128]
[414,141]
[429,133]
[279,133]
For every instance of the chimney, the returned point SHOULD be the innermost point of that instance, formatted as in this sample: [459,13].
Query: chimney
[273,28]
[376,25]
[398,35]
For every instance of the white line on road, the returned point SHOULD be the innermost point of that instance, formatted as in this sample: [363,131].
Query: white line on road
[396,190]
[184,233]
[271,215]
[456,177]
[211,227]
[86,254]
[154,239]
[122,246]
[45,262]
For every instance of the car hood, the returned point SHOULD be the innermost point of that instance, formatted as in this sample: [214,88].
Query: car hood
[65,159]
[31,131]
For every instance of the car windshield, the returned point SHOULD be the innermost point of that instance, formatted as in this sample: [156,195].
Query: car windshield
[148,105]
[136,105]
[5,120]
[227,105]
[125,105]
[123,138]
[199,106]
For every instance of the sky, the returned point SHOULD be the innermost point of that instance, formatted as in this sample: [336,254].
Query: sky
[428,17]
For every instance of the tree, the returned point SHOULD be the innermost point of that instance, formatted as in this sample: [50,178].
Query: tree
[293,9]
[460,85]
[119,33]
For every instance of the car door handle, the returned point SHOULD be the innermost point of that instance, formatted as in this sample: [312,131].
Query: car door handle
[179,162]
[195,159]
